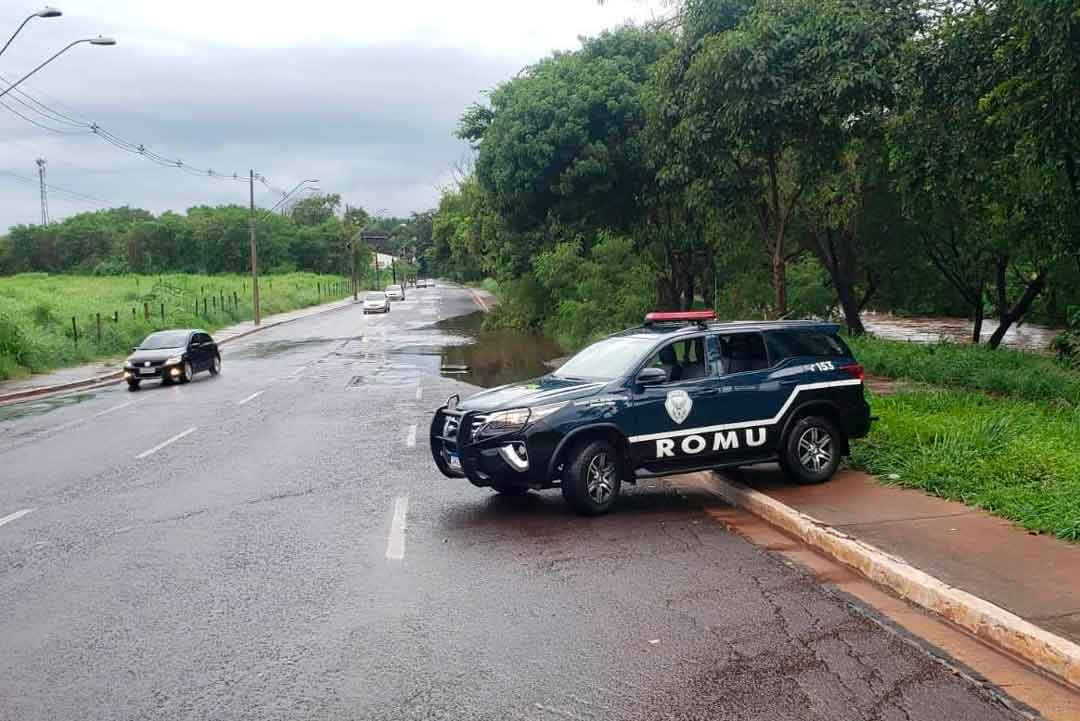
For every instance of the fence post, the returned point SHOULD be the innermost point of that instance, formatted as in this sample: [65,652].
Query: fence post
[74,331]
[116,317]
[98,328]
[213,299]
[146,311]
[162,312]
[133,314]
[221,294]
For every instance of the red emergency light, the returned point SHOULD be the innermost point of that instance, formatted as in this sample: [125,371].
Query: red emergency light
[686,316]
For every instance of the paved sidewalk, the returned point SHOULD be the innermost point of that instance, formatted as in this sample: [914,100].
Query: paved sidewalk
[1035,577]
[104,371]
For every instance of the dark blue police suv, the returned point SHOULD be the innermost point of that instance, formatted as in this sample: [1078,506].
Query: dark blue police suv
[680,393]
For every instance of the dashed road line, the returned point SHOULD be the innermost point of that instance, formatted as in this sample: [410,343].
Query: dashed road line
[16,515]
[410,437]
[252,397]
[395,544]
[419,391]
[163,444]
[80,421]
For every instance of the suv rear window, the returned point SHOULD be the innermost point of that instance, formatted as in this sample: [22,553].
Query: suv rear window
[794,344]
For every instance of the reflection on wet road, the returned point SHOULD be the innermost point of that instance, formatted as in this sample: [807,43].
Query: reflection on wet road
[43,405]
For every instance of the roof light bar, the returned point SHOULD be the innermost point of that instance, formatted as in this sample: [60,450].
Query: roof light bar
[687,316]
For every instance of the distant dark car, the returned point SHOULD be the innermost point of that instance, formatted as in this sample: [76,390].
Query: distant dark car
[172,356]
[680,393]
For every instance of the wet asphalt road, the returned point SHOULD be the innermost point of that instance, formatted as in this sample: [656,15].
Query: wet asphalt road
[297,556]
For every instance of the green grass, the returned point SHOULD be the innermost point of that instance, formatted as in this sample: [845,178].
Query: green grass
[1028,376]
[36,311]
[1014,458]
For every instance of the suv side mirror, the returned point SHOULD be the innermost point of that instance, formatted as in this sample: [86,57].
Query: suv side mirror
[652,376]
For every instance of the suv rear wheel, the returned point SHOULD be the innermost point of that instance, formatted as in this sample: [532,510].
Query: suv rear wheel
[811,452]
[591,480]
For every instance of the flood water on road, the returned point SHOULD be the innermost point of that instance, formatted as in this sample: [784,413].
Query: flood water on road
[468,352]
[925,329]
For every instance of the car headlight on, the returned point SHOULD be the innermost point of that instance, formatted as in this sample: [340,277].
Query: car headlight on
[175,360]
[500,422]
[128,364]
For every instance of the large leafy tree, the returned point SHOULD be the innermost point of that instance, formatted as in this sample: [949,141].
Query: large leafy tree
[984,149]
[562,142]
[773,96]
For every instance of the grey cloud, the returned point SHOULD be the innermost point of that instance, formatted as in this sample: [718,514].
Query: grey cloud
[373,123]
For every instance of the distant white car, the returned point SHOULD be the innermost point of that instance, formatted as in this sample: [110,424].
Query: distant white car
[376,303]
[395,292]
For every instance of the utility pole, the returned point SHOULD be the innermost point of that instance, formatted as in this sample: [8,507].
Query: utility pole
[254,251]
[375,258]
[44,192]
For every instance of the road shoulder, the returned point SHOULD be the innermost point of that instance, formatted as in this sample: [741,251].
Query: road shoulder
[1003,585]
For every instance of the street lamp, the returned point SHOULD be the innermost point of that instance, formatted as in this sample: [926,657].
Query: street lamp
[93,41]
[256,310]
[45,12]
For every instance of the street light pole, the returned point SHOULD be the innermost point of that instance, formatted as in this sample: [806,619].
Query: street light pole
[93,41]
[254,251]
[45,12]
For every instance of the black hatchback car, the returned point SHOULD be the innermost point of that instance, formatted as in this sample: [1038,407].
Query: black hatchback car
[680,393]
[172,356]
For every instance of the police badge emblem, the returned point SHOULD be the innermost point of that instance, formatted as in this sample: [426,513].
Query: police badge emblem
[678,405]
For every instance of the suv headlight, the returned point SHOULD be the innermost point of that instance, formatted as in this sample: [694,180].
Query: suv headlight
[500,422]
[175,360]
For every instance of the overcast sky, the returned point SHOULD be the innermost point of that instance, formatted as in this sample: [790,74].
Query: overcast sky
[362,95]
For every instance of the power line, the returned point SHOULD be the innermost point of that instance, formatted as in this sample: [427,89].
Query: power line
[83,126]
[83,197]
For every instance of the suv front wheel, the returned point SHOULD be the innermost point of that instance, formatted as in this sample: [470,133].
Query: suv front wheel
[811,451]
[591,481]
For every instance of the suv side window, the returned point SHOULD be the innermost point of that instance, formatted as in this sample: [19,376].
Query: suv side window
[742,352]
[795,344]
[683,360]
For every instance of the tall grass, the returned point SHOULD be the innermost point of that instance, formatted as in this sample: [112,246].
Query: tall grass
[1017,459]
[36,311]
[1028,376]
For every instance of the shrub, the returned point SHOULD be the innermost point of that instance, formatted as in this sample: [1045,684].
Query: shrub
[1067,343]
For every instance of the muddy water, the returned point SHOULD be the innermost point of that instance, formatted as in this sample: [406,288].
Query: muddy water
[490,358]
[923,329]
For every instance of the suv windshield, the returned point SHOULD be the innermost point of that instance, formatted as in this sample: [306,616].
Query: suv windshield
[606,360]
[165,339]
[375,296]
[391,288]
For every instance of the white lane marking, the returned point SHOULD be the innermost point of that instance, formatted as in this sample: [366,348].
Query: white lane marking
[114,408]
[395,544]
[419,391]
[78,421]
[172,440]
[252,397]
[410,437]
[16,515]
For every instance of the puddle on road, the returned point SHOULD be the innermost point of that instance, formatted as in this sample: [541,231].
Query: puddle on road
[465,351]
[267,349]
[922,329]
[44,405]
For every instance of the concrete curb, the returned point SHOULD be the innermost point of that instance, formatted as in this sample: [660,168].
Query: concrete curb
[993,624]
[117,376]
